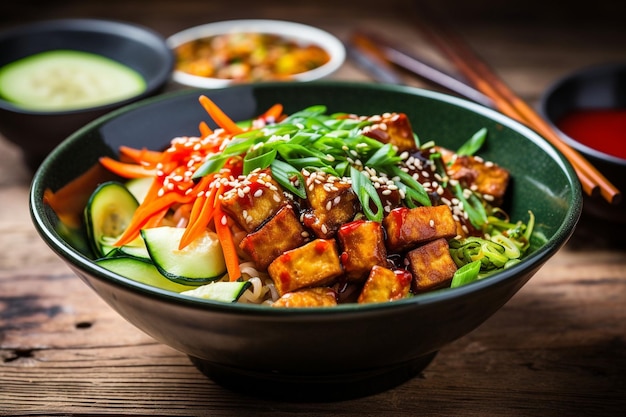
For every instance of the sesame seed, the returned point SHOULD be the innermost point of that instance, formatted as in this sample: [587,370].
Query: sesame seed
[324,229]
[386,192]
[258,193]
[431,223]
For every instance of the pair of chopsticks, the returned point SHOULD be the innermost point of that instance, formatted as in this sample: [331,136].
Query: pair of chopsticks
[484,87]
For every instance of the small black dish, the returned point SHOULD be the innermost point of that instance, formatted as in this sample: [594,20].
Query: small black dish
[599,87]
[36,133]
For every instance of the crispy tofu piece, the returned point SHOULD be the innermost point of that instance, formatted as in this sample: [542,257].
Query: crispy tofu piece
[486,178]
[363,245]
[393,128]
[314,264]
[281,233]
[311,297]
[253,200]
[384,285]
[408,228]
[331,203]
[431,265]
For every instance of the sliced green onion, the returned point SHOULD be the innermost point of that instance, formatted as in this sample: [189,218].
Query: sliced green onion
[365,191]
[262,161]
[466,274]
[282,172]
[474,143]
[415,194]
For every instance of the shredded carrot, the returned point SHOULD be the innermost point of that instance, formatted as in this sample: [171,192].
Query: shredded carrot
[274,113]
[146,211]
[141,156]
[219,116]
[225,236]
[126,170]
[205,130]
[203,219]
[201,212]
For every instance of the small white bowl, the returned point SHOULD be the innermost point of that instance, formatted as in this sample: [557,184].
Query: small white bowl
[291,30]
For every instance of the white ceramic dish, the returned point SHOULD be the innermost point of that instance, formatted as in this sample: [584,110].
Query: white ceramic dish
[295,31]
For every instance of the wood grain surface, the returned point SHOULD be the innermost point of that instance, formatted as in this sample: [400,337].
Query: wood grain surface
[557,348]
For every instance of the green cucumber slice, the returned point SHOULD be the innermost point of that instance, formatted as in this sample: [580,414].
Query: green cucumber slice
[200,262]
[228,292]
[141,271]
[135,249]
[139,187]
[61,80]
[108,213]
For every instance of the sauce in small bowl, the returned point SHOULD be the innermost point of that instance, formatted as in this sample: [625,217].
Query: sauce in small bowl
[588,110]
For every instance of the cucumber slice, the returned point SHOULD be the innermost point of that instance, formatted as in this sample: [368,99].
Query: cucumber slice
[228,292]
[199,262]
[135,249]
[139,187]
[66,79]
[141,271]
[108,213]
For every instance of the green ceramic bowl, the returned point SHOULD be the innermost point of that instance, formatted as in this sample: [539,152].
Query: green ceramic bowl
[341,352]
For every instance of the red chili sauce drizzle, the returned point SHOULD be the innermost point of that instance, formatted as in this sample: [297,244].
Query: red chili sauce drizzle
[603,130]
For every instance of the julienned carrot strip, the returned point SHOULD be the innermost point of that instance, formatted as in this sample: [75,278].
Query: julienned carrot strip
[141,156]
[219,117]
[204,217]
[205,130]
[126,170]
[201,211]
[273,113]
[225,236]
[146,211]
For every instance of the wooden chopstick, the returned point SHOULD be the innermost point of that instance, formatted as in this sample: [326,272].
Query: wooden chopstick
[394,53]
[485,80]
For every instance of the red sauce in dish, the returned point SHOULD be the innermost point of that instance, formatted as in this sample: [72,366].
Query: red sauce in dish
[602,130]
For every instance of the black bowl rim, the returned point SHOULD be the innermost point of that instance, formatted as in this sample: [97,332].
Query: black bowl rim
[156,42]
[585,73]
[532,262]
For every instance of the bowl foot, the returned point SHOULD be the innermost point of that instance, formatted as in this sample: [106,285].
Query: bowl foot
[312,387]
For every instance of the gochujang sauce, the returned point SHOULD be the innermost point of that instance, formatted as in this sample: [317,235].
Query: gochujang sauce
[603,130]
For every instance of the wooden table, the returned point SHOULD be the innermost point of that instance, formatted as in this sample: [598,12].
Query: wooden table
[557,348]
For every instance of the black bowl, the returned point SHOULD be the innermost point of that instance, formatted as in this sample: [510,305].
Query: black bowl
[315,353]
[598,87]
[38,132]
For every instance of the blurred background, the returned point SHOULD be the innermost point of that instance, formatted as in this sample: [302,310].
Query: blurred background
[528,43]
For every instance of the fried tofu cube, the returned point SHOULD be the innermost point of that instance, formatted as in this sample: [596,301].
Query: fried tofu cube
[408,228]
[331,203]
[311,297]
[393,128]
[363,245]
[281,233]
[253,200]
[431,265]
[314,264]
[384,285]
[486,178]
